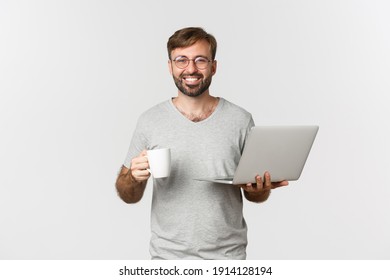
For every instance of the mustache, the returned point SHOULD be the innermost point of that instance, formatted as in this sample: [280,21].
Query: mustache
[190,75]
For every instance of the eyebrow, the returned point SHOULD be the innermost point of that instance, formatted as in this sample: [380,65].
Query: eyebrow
[179,56]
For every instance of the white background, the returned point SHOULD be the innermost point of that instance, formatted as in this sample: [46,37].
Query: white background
[75,75]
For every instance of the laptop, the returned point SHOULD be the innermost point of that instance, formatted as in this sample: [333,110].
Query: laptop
[281,150]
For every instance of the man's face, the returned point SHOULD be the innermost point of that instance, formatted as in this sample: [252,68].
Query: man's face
[191,80]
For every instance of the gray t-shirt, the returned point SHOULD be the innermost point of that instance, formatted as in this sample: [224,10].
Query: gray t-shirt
[194,219]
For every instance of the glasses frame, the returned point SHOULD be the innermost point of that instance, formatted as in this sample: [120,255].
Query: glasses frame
[194,60]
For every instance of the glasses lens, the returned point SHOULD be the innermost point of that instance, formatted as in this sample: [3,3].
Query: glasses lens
[201,62]
[182,62]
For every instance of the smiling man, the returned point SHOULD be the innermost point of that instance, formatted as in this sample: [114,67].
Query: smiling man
[193,219]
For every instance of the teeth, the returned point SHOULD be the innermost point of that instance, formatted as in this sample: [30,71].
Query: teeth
[191,79]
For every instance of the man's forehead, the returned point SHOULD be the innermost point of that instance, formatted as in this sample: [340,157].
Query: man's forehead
[199,48]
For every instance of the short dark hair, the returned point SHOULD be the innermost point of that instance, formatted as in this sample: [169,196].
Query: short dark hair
[188,36]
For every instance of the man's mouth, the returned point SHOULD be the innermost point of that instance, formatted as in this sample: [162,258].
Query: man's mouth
[192,80]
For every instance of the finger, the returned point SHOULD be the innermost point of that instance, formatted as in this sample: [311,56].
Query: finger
[141,175]
[259,182]
[246,187]
[268,184]
[280,184]
[249,187]
[137,167]
[140,162]
[141,166]
[141,159]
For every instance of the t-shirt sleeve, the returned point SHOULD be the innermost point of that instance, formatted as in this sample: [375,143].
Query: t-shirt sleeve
[251,124]
[137,145]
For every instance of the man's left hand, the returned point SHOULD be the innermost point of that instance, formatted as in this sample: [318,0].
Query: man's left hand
[261,186]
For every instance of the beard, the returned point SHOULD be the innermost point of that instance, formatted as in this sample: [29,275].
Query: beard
[192,90]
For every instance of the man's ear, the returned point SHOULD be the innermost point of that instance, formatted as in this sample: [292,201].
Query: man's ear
[214,67]
[170,66]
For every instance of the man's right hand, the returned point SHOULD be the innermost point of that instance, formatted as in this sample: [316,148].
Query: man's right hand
[139,167]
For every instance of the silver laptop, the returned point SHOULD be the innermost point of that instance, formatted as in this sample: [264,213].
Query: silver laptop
[281,150]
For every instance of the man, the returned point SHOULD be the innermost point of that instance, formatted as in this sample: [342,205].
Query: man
[192,219]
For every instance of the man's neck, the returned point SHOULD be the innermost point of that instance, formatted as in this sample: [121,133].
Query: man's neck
[196,108]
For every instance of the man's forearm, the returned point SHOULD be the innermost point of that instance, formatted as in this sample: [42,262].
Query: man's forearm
[257,197]
[129,190]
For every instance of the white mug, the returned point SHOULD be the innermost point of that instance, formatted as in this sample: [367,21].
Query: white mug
[159,162]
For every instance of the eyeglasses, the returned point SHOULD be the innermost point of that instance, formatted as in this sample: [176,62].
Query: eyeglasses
[183,61]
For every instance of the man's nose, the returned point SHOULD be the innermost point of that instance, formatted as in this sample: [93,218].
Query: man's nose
[191,68]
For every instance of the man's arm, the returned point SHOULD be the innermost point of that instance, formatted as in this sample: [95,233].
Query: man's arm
[260,191]
[131,183]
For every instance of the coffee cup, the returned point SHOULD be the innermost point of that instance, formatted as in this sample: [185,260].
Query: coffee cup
[159,162]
